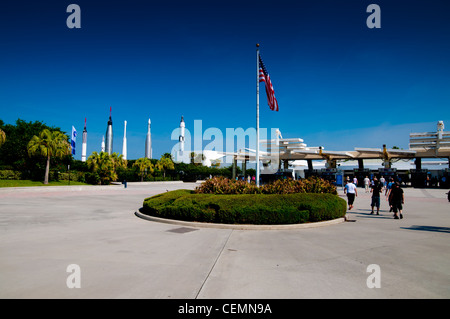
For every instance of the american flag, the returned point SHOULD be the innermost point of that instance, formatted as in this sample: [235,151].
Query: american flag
[265,77]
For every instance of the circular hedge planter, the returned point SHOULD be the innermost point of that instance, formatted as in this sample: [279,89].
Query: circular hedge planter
[258,209]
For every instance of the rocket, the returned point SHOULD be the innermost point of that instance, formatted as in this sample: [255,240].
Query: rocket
[84,145]
[148,142]
[103,143]
[181,138]
[109,135]
[124,146]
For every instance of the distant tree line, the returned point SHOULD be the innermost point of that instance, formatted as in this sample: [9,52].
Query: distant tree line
[36,151]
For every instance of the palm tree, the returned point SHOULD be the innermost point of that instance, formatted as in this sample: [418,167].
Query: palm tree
[165,163]
[103,165]
[118,161]
[144,164]
[2,137]
[49,144]
[197,159]
[92,161]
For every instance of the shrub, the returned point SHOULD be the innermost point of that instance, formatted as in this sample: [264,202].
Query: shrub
[74,176]
[10,174]
[221,185]
[245,208]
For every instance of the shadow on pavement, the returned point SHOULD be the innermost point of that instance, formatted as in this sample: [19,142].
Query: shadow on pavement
[428,228]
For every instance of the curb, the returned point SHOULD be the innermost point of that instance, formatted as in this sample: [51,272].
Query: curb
[63,188]
[240,226]
[46,189]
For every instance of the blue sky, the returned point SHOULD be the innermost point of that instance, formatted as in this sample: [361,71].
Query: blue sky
[338,83]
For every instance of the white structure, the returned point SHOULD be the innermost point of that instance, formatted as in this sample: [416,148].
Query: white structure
[178,151]
[124,145]
[84,144]
[148,142]
[103,143]
[211,156]
[430,141]
[181,139]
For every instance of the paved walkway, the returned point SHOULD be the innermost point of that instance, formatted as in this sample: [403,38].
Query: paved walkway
[44,230]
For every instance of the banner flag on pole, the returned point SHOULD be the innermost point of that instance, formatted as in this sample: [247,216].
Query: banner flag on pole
[73,139]
[265,77]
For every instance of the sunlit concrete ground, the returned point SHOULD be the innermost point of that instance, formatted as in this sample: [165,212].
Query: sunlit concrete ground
[119,255]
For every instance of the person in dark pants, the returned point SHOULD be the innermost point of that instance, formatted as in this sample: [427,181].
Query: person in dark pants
[351,191]
[375,189]
[397,199]
[388,193]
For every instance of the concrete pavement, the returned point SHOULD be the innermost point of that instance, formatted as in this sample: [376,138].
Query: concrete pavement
[123,256]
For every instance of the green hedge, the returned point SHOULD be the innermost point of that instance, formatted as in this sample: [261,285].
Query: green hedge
[245,208]
[10,174]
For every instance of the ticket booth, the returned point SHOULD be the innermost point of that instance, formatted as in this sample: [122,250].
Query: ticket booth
[360,174]
[311,172]
[387,173]
[328,174]
[419,178]
[444,181]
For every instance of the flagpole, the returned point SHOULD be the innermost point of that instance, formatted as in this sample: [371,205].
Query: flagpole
[257,114]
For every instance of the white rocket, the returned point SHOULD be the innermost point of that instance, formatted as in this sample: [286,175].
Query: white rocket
[148,142]
[124,146]
[109,135]
[103,143]
[181,138]
[84,145]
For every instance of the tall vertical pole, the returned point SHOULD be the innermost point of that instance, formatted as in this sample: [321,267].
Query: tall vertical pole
[124,145]
[257,115]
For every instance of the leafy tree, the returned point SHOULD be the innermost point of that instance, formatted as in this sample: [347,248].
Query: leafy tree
[144,166]
[118,161]
[216,163]
[2,137]
[14,151]
[49,144]
[120,166]
[102,164]
[165,163]
[197,159]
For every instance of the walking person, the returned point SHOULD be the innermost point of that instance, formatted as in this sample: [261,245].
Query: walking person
[388,193]
[350,190]
[366,184]
[376,189]
[383,182]
[397,200]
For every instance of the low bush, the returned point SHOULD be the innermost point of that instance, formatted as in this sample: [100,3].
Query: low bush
[10,174]
[221,185]
[245,208]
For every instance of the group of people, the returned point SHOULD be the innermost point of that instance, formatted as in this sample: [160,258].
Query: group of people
[393,192]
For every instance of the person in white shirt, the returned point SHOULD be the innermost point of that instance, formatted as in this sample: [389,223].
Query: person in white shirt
[350,190]
[383,182]
[366,184]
